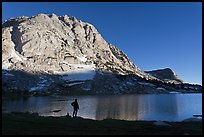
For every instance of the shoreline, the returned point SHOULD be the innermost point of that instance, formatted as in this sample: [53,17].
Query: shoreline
[16,95]
[27,123]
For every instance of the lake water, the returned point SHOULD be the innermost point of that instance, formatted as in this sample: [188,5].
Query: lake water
[168,107]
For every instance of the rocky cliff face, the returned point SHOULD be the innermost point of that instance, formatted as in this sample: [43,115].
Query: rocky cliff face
[52,43]
[61,53]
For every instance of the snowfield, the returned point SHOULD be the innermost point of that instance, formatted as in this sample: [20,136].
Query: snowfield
[83,59]
[79,72]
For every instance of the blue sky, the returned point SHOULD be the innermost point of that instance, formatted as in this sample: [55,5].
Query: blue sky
[153,35]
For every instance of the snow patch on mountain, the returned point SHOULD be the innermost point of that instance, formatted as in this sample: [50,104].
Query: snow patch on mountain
[78,72]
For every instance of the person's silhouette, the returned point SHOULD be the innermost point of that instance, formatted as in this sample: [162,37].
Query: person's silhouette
[76,107]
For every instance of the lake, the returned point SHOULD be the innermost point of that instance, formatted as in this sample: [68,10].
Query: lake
[165,107]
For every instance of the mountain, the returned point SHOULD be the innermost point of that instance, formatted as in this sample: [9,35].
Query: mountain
[50,54]
[60,44]
[166,75]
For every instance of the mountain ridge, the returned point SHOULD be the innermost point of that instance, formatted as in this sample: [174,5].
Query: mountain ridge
[166,74]
[72,51]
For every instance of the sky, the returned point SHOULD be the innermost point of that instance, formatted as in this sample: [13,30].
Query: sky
[154,35]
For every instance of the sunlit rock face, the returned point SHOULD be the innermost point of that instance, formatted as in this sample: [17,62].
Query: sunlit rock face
[51,43]
[61,54]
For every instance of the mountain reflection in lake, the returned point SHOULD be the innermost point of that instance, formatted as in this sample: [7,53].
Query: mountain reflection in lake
[169,107]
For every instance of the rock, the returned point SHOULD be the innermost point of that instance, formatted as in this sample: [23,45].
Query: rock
[56,111]
[192,119]
[161,123]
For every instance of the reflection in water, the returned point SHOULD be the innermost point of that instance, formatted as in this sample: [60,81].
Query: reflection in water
[192,105]
[169,107]
[137,107]
[162,107]
[117,107]
[42,105]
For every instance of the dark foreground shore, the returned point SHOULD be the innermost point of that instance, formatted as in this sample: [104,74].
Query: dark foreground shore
[32,124]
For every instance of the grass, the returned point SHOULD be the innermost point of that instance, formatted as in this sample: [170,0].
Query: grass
[32,124]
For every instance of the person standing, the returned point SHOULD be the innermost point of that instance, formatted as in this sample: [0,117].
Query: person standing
[76,107]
